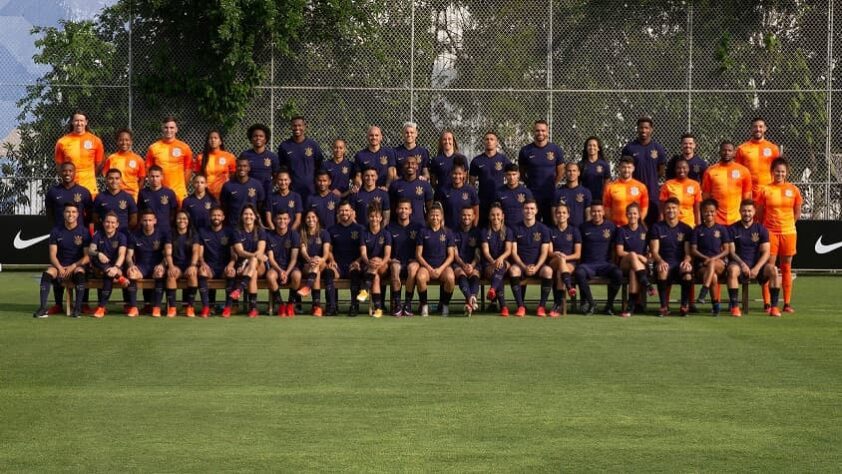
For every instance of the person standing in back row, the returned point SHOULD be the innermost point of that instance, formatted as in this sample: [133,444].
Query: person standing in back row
[542,167]
[83,149]
[173,156]
[650,160]
[302,156]
[757,154]
[488,173]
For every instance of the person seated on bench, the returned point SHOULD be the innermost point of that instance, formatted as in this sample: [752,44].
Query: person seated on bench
[710,245]
[375,255]
[749,259]
[466,258]
[145,259]
[346,237]
[108,253]
[632,250]
[315,254]
[67,246]
[284,244]
[250,251]
[182,258]
[669,242]
[215,261]
[496,247]
[403,266]
[529,258]
[565,251]
[434,252]
[597,238]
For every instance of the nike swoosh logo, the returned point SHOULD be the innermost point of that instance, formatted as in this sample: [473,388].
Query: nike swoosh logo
[21,244]
[822,248]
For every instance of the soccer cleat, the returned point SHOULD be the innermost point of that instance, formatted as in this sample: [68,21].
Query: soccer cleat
[304,291]
[172,311]
[362,296]
[235,294]
[425,311]
[788,309]
[775,312]
[407,311]
[353,310]
[156,312]
[587,308]
[444,311]
[41,313]
[205,313]
[715,310]
[253,313]
[122,281]
[282,310]
[520,312]
[317,311]
[491,295]
[683,311]
[226,312]
[541,312]
[473,302]
[468,310]
[99,312]
[625,313]
[378,313]
[55,309]
[555,312]
[571,292]
[663,312]
[504,312]
[132,312]
[397,310]
[735,312]
[291,310]
[190,312]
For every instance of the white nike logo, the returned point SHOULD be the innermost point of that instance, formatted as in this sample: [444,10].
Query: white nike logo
[21,244]
[822,248]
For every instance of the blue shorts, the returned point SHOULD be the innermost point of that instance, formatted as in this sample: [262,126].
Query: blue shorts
[593,270]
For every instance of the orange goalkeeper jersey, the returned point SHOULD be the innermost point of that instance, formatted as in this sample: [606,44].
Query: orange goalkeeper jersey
[133,168]
[219,169]
[688,192]
[618,194]
[176,159]
[728,184]
[779,202]
[757,156]
[86,152]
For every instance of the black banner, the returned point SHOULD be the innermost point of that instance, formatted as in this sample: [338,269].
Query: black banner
[25,238]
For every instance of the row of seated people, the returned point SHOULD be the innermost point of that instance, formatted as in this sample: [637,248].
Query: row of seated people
[409,256]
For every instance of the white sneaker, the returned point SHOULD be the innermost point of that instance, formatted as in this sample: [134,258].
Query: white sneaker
[425,311]
[473,303]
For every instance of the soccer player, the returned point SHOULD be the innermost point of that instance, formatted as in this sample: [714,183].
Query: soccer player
[710,244]
[67,191]
[263,163]
[441,165]
[199,204]
[376,156]
[302,156]
[686,190]
[512,195]
[728,183]
[286,200]
[182,257]
[130,164]
[623,191]
[780,207]
[215,163]
[529,257]
[249,248]
[375,255]
[411,186]
[145,259]
[117,201]
[595,170]
[345,241]
[283,247]
[542,165]
[598,236]
[669,242]
[241,191]
[457,195]
[487,172]
[160,199]
[341,170]
[573,195]
[410,147]
[757,154]
[324,201]
[434,252]
[749,259]
[83,149]
[402,267]
[496,245]
[466,239]
[696,165]
[565,251]
[67,261]
[632,251]
[173,156]
[650,160]
[215,260]
[315,255]
[108,253]
[368,193]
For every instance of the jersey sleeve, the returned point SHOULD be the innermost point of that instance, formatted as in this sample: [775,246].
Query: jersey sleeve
[706,183]
[577,236]
[58,155]
[99,152]
[664,194]
[746,189]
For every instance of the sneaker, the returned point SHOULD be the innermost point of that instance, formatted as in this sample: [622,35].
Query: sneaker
[541,312]
[317,311]
[99,312]
[444,311]
[290,310]
[715,310]
[683,311]
[253,313]
[663,312]
[304,291]
[190,312]
[735,312]
[156,312]
[520,312]
[491,295]
[775,312]
[407,311]
[425,311]
[133,312]
[226,312]
[555,312]
[235,295]
[362,296]
[587,308]
[378,313]
[41,313]
[608,310]
[571,292]
[281,312]
[353,310]
[626,313]
[55,309]
[205,312]
[703,292]
[504,312]
[122,282]
[397,310]
[172,312]
[788,309]
[469,309]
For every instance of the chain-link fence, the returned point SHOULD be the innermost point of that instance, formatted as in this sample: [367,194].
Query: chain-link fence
[588,67]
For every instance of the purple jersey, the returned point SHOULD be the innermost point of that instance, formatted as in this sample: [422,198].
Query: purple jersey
[529,240]
[538,167]
[467,243]
[490,174]
[671,240]
[496,240]
[419,192]
[149,249]
[441,167]
[403,241]
[235,195]
[303,160]
[122,204]
[182,247]
[315,244]
[698,166]
[199,209]
[747,241]
[362,198]
[375,244]
[709,240]
[340,174]
[281,245]
[163,202]
[647,159]
[262,167]
[249,240]
[325,207]
[596,242]
[577,200]
[346,241]
[434,245]
[216,246]
[594,176]
[454,200]
[564,241]
[58,196]
[110,246]
[291,203]
[419,152]
[70,243]
[381,160]
[512,200]
[632,240]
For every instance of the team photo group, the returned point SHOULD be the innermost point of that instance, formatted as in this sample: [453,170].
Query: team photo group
[396,220]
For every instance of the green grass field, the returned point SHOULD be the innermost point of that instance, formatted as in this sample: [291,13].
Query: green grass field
[456,394]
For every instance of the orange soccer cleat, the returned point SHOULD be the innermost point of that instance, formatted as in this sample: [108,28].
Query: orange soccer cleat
[132,312]
[190,312]
[171,312]
[156,312]
[521,311]
[99,312]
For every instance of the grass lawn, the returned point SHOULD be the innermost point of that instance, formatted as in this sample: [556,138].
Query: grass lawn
[457,394]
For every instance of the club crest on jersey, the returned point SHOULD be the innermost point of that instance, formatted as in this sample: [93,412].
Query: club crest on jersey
[208,205]
[580,197]
[308,152]
[331,205]
[550,156]
[442,238]
[77,240]
[697,169]
[165,200]
[634,191]
[716,234]
[755,237]
[223,240]
[419,190]
[222,161]
[599,168]
[267,162]
[735,174]
[88,145]
[345,170]
[132,164]
[569,237]
[287,244]
[536,236]
[77,197]
[384,160]
[115,244]
[691,190]
[498,166]
[788,193]
[375,199]
[318,241]
[412,234]
[291,204]
[252,192]
[521,197]
[679,236]
[176,152]
[464,196]
[606,233]
[381,240]
[355,235]
[767,152]
[123,204]
[472,241]
[653,154]
[156,244]
[642,236]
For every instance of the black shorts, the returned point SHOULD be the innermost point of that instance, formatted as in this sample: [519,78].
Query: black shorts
[761,277]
